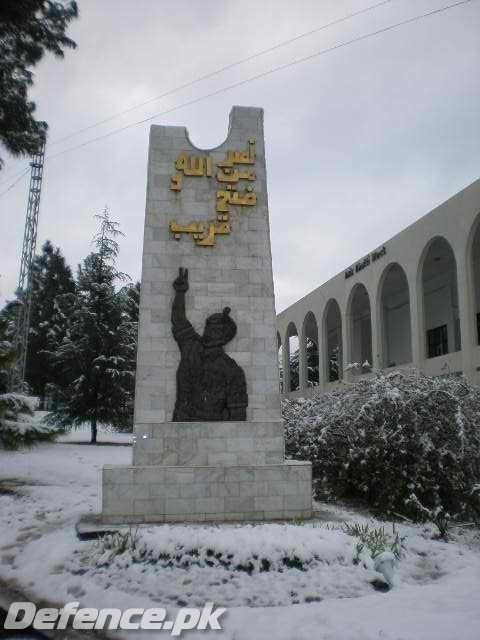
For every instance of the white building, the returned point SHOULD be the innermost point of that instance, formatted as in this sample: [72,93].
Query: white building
[413,302]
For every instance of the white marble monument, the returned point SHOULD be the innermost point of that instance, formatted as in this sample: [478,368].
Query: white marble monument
[207,211]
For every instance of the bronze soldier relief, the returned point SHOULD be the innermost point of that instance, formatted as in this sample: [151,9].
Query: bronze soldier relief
[210,384]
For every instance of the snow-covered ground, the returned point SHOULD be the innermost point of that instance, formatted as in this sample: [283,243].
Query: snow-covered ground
[435,595]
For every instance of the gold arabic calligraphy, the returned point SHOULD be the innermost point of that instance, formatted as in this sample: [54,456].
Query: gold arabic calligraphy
[203,233]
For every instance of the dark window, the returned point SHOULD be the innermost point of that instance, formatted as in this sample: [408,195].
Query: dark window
[437,341]
[478,328]
[333,365]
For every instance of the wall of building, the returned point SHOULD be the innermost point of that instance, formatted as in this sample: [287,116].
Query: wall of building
[399,323]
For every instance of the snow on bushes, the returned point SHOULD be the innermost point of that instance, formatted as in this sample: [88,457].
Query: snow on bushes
[253,565]
[404,443]
[17,426]
[247,548]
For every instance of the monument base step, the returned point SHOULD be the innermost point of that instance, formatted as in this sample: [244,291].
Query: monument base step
[111,524]
[93,527]
[144,494]
[209,443]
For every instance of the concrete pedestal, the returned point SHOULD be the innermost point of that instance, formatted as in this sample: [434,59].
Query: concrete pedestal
[198,494]
[207,472]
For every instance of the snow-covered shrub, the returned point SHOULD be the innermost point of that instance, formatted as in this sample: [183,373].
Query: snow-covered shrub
[376,539]
[404,443]
[247,549]
[377,549]
[114,544]
[17,426]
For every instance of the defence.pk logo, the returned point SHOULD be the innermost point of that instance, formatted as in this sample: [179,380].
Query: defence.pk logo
[24,615]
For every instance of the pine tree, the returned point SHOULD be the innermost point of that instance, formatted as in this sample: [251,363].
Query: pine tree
[28,28]
[17,427]
[96,358]
[132,292]
[311,351]
[51,278]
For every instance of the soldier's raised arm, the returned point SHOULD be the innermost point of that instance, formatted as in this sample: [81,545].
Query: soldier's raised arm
[182,329]
[180,285]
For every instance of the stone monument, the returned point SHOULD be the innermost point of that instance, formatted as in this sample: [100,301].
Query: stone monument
[209,442]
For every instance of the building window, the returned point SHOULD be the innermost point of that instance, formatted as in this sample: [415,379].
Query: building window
[478,328]
[437,341]
[333,365]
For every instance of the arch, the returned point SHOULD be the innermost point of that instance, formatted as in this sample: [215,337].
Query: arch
[360,329]
[395,317]
[438,276]
[473,257]
[291,346]
[310,350]
[224,138]
[280,361]
[333,340]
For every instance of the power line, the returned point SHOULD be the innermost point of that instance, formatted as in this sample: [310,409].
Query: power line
[12,177]
[258,76]
[220,70]
[227,67]
[24,172]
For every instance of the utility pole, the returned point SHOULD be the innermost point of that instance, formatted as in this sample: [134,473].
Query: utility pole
[24,290]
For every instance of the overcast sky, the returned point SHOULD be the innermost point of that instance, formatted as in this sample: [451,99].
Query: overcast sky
[360,142]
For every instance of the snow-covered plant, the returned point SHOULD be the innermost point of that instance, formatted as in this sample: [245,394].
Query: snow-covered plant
[375,539]
[95,359]
[116,543]
[17,425]
[363,367]
[181,557]
[311,354]
[391,437]
[51,278]
[438,516]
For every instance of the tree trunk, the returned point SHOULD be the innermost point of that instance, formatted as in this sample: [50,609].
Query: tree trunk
[93,424]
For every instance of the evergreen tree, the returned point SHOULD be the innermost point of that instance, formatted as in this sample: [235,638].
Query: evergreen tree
[51,278]
[312,366]
[28,28]
[132,292]
[17,427]
[96,358]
